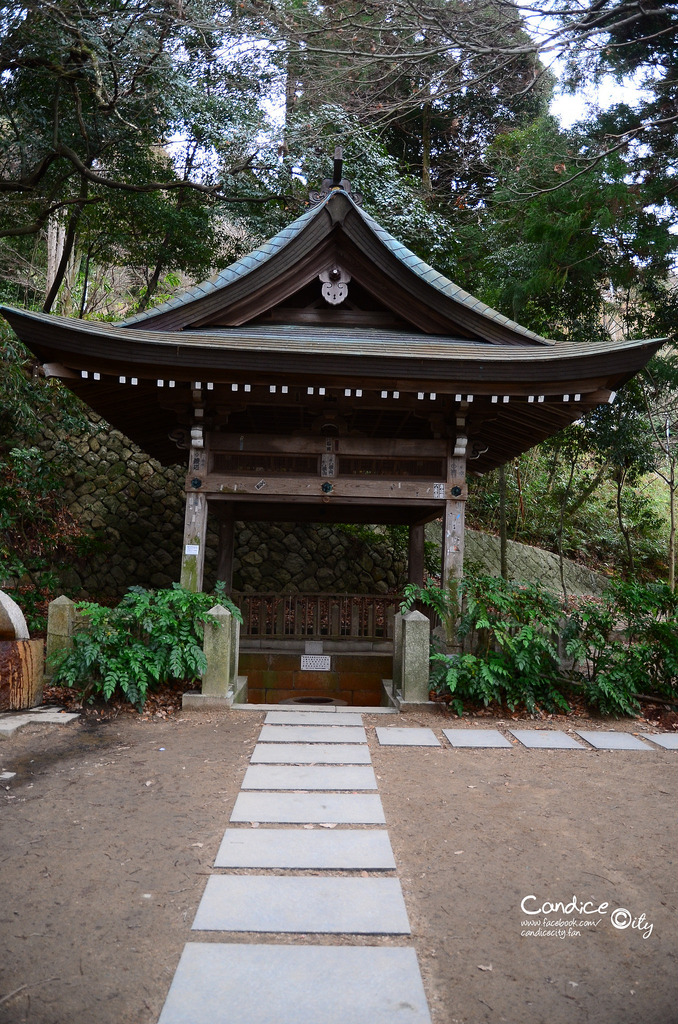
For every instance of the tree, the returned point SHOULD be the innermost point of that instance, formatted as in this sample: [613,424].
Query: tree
[97,99]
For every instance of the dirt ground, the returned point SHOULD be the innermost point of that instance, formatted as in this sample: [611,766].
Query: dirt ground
[109,832]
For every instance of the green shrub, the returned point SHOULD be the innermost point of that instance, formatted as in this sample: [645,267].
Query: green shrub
[151,637]
[515,660]
[628,642]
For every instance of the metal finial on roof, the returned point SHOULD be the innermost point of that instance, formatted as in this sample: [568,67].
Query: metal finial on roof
[336,182]
[338,166]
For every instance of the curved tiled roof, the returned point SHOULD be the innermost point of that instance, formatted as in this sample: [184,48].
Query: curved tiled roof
[244,266]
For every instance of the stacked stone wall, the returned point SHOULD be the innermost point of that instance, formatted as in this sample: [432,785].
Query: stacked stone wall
[135,508]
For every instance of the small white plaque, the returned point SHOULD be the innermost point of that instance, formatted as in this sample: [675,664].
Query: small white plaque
[439,490]
[315,662]
[192,549]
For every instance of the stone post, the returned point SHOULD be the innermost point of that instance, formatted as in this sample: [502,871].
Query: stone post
[60,626]
[416,630]
[397,678]
[218,648]
[235,652]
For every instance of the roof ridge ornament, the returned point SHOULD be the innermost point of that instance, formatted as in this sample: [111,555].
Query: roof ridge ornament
[336,183]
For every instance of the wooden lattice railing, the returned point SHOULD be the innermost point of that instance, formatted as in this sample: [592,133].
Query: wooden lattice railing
[317,616]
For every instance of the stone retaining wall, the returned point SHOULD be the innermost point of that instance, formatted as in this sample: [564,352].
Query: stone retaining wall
[135,507]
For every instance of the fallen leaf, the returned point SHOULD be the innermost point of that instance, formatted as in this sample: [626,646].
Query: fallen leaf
[484,967]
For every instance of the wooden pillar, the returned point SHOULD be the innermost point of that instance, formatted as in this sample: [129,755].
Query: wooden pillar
[453,521]
[453,542]
[225,556]
[195,523]
[415,556]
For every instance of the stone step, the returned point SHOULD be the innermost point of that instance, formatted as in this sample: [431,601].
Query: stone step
[302,904]
[310,753]
[257,983]
[309,808]
[546,739]
[476,738]
[392,736]
[612,740]
[311,718]
[333,850]
[327,777]
[312,734]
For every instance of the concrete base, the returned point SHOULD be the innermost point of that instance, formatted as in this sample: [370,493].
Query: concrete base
[208,702]
[395,701]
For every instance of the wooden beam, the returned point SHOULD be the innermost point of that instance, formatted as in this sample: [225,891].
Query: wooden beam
[382,447]
[346,489]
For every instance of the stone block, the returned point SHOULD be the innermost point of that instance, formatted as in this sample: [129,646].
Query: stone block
[284,904]
[253,983]
[291,848]
[416,630]
[309,808]
[217,647]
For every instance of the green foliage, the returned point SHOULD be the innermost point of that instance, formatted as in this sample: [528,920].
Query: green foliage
[628,642]
[430,595]
[516,661]
[151,637]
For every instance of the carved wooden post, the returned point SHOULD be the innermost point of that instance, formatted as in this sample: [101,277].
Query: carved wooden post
[195,522]
[454,519]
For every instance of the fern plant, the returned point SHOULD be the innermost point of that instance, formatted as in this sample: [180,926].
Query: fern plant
[151,637]
[515,656]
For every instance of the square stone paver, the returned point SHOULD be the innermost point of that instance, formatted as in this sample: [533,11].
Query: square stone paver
[312,734]
[667,740]
[392,736]
[312,718]
[255,983]
[326,849]
[612,740]
[309,808]
[476,738]
[310,753]
[288,776]
[546,739]
[284,903]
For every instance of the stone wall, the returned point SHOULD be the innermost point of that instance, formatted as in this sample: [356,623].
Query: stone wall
[135,507]
[482,552]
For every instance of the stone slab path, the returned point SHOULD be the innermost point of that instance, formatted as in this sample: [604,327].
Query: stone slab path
[309,808]
[338,850]
[534,739]
[223,983]
[545,739]
[312,734]
[11,722]
[293,776]
[227,982]
[310,753]
[395,737]
[282,904]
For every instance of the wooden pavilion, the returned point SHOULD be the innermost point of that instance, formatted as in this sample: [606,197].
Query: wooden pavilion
[329,376]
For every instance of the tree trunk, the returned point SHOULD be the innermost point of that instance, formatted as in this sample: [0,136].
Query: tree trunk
[426,147]
[672,531]
[502,523]
[67,250]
